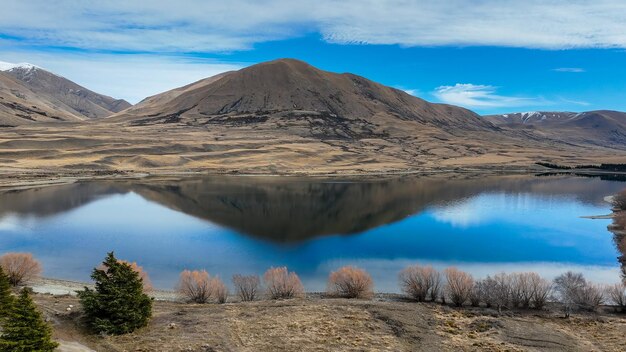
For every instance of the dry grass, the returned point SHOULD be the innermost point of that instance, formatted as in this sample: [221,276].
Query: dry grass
[345,325]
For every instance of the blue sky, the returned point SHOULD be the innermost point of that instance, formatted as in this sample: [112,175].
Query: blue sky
[490,56]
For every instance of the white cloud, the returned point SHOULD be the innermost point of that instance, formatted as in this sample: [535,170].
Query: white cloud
[481,96]
[130,77]
[210,26]
[569,69]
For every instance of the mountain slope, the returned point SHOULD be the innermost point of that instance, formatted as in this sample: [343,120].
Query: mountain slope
[19,105]
[602,127]
[288,90]
[62,93]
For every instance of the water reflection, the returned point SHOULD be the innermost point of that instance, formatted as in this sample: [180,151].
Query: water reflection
[295,209]
[618,228]
[245,224]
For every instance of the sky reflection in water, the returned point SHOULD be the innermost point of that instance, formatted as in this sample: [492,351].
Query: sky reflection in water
[482,226]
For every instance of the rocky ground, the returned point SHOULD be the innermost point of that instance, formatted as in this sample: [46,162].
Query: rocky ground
[387,323]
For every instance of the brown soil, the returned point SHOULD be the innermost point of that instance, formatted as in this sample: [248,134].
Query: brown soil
[317,324]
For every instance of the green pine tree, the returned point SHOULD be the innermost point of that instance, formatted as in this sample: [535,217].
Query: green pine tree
[6,299]
[117,305]
[25,330]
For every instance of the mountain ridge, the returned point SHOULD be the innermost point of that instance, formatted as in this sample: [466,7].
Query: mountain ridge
[602,127]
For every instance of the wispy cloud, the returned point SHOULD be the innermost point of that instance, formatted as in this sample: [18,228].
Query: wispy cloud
[575,102]
[213,26]
[569,69]
[481,96]
[411,91]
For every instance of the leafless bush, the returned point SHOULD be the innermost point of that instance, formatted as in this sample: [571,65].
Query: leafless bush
[458,286]
[497,290]
[350,282]
[20,268]
[521,290]
[280,283]
[195,286]
[616,295]
[516,289]
[590,297]
[247,287]
[576,293]
[435,290]
[487,290]
[540,290]
[619,200]
[219,290]
[476,295]
[420,282]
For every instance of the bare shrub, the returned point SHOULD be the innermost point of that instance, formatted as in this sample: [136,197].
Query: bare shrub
[247,287]
[619,200]
[420,282]
[616,295]
[218,290]
[497,290]
[590,297]
[350,282]
[280,283]
[516,289]
[20,268]
[195,286]
[487,290]
[435,290]
[540,290]
[576,293]
[458,286]
[521,291]
[476,295]
[567,288]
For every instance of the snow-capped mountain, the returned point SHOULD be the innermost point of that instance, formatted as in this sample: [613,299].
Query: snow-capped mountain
[598,127]
[7,66]
[62,93]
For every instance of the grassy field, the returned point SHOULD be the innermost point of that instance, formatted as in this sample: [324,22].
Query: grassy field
[387,323]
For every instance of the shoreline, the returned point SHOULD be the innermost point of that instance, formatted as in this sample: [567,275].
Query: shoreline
[27,179]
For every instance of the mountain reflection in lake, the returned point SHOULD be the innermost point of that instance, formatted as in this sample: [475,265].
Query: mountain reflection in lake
[230,225]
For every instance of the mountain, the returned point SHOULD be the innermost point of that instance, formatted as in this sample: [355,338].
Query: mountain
[62,93]
[288,117]
[19,105]
[602,127]
[287,90]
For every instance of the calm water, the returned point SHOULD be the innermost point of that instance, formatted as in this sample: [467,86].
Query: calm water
[230,225]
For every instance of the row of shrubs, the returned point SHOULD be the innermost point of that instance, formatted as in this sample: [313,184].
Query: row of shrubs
[105,311]
[420,283]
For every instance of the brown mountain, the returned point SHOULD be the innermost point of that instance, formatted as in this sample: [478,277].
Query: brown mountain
[63,94]
[602,127]
[286,90]
[20,105]
[287,117]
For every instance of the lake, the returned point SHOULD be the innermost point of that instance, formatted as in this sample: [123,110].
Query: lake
[235,224]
